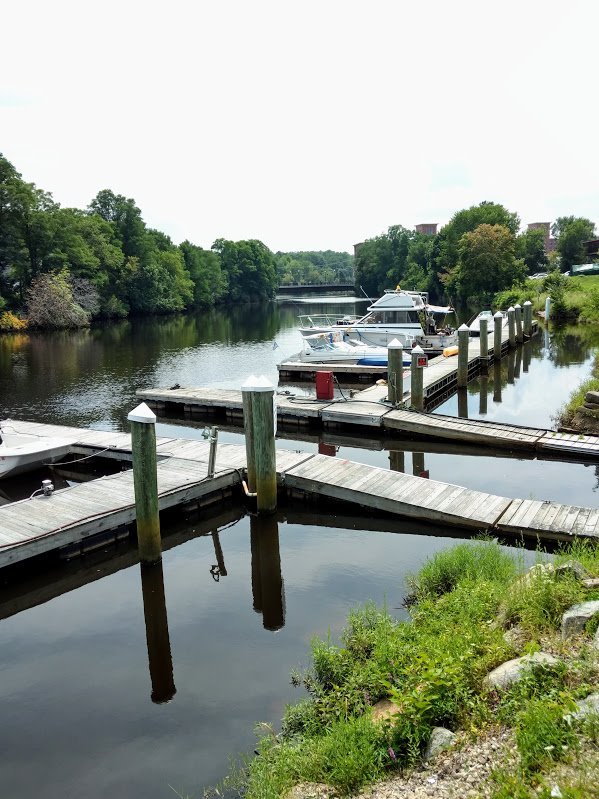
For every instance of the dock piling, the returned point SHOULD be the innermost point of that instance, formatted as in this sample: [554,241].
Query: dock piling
[511,326]
[395,372]
[145,481]
[497,329]
[261,432]
[527,318]
[484,343]
[417,378]
[518,317]
[463,341]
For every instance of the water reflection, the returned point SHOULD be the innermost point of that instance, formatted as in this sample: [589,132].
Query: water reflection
[484,390]
[397,460]
[218,569]
[268,591]
[157,637]
[497,381]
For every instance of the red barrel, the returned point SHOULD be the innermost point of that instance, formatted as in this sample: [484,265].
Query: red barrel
[324,386]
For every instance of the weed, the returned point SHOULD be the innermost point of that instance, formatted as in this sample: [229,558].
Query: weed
[544,734]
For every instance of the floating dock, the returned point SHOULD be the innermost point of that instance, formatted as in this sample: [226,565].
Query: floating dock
[76,514]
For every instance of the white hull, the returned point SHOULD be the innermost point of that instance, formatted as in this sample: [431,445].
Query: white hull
[22,453]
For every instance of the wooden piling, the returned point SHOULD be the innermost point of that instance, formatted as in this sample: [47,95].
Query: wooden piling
[511,326]
[417,379]
[262,431]
[518,317]
[463,341]
[160,659]
[395,372]
[498,326]
[527,318]
[145,481]
[246,398]
[484,343]
[418,464]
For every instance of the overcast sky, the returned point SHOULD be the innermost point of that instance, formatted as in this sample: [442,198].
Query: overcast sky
[308,125]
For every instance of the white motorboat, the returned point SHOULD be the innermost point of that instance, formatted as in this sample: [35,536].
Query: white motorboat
[474,325]
[337,347]
[398,314]
[21,452]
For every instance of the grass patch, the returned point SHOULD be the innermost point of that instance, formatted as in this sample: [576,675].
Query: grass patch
[432,668]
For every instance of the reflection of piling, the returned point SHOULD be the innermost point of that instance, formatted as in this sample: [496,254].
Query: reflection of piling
[511,361]
[463,403]
[267,580]
[484,390]
[218,552]
[518,362]
[497,381]
[397,460]
[498,327]
[463,342]
[157,637]
[395,372]
[145,482]
[526,355]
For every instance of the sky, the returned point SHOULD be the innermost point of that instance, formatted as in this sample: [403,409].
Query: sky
[307,125]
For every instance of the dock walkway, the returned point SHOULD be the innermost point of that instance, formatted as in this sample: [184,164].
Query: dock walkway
[34,526]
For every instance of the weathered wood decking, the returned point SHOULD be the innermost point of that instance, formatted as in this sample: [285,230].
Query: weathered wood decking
[367,410]
[38,525]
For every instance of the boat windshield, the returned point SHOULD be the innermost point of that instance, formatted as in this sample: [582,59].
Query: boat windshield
[389,318]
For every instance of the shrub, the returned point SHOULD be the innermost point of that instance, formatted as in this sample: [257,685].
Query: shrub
[9,322]
[539,601]
[50,303]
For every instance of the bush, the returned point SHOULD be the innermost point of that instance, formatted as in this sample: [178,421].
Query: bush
[10,323]
[50,303]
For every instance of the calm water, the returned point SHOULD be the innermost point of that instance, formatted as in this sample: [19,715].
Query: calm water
[78,671]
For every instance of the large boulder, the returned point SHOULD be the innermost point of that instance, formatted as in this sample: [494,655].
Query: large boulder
[441,738]
[502,677]
[576,617]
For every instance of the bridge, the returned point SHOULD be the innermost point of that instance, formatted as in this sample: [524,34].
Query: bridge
[313,288]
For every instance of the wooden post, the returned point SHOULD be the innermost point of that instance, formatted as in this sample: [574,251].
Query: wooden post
[395,372]
[511,326]
[518,317]
[418,464]
[262,431]
[497,329]
[396,460]
[527,318]
[417,379]
[246,398]
[145,482]
[547,308]
[484,343]
[463,341]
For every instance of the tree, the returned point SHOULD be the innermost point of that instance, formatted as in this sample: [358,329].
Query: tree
[209,282]
[530,247]
[381,262]
[249,267]
[50,303]
[487,263]
[571,233]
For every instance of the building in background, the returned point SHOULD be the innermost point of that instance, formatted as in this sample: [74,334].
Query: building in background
[550,242]
[427,228]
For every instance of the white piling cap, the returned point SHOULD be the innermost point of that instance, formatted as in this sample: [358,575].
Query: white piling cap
[463,327]
[517,305]
[498,315]
[142,414]
[417,350]
[254,383]
[395,344]
[511,308]
[528,302]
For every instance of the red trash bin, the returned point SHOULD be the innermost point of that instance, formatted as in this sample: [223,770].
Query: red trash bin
[324,386]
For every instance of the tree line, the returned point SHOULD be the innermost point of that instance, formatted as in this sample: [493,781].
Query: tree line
[63,267]
[477,254]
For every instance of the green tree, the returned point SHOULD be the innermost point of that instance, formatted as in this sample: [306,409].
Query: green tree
[249,267]
[530,247]
[571,233]
[381,262]
[487,263]
[204,268]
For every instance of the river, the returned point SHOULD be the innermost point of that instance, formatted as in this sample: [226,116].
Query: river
[76,685]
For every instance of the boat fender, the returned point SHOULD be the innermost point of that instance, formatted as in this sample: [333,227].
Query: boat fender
[449,351]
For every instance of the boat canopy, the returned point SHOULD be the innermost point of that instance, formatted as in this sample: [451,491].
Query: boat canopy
[393,300]
[442,309]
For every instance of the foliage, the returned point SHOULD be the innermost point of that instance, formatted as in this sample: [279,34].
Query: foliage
[249,267]
[543,733]
[50,303]
[10,323]
[487,263]
[577,396]
[571,233]
[325,266]
[530,248]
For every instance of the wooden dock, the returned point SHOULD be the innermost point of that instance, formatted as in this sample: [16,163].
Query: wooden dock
[367,410]
[42,524]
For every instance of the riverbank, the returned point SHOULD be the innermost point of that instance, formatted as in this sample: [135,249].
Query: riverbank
[376,702]
[581,413]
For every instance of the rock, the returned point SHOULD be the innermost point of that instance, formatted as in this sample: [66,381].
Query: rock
[596,640]
[440,739]
[587,706]
[383,710]
[591,582]
[573,568]
[575,618]
[592,406]
[592,396]
[511,672]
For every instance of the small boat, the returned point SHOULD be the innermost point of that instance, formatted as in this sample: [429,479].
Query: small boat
[21,452]
[337,347]
[405,315]
[474,325]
